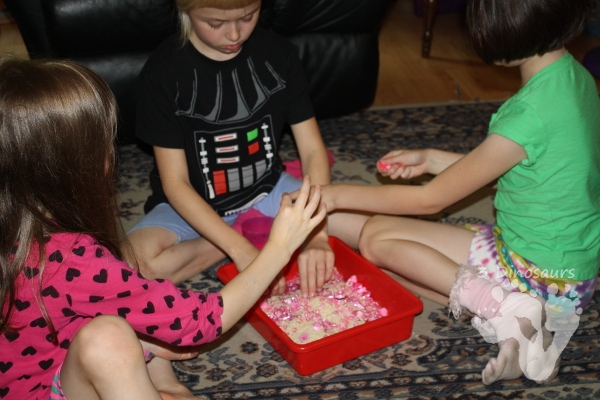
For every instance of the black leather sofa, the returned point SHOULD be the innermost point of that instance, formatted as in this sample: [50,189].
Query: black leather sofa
[337,41]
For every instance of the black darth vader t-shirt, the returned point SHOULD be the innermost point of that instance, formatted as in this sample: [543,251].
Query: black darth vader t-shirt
[228,116]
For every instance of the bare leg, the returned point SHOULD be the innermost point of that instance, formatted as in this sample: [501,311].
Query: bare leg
[161,371]
[347,226]
[105,361]
[419,290]
[159,257]
[425,254]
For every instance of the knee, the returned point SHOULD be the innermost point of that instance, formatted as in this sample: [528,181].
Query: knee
[369,237]
[146,246]
[147,268]
[147,263]
[101,341]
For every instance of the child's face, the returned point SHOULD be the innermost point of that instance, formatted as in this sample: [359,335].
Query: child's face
[220,34]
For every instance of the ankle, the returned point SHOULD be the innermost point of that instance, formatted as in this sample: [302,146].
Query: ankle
[476,294]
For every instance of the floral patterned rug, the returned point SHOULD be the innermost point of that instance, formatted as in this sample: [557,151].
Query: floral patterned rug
[443,357]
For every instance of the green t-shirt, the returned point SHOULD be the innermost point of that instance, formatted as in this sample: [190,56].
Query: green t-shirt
[548,205]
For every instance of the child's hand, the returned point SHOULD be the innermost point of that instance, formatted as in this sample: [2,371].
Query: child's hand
[328,196]
[315,263]
[278,286]
[294,222]
[290,229]
[403,164]
[166,352]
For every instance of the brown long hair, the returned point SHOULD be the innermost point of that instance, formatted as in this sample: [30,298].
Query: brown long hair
[58,123]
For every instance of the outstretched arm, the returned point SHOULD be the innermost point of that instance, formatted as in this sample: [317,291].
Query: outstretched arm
[172,166]
[290,228]
[316,260]
[491,159]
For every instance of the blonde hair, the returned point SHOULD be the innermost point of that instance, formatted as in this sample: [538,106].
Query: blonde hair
[185,6]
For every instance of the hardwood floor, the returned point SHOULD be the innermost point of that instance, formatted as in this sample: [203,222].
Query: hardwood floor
[452,73]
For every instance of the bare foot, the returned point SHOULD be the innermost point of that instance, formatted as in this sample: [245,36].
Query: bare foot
[526,346]
[538,367]
[505,366]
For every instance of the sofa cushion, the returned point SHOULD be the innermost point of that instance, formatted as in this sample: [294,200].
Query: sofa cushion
[76,27]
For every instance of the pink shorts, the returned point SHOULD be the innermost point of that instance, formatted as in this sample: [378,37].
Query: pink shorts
[496,262]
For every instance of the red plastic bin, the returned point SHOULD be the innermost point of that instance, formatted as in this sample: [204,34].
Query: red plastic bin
[332,350]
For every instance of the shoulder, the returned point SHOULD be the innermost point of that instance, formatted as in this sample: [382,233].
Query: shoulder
[169,52]
[520,121]
[70,252]
[62,247]
[276,53]
[74,259]
[517,108]
[64,242]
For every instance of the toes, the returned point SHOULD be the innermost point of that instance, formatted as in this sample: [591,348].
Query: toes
[490,373]
[505,366]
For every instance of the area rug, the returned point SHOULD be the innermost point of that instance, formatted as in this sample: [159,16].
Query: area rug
[443,357]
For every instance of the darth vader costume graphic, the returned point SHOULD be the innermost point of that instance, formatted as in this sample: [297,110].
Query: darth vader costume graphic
[235,160]
[228,116]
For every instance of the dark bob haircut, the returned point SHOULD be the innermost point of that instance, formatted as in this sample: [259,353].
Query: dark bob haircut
[509,30]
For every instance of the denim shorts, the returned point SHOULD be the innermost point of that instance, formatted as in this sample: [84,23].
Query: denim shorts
[164,216]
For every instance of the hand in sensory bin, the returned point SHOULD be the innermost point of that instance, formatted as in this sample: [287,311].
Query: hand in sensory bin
[340,305]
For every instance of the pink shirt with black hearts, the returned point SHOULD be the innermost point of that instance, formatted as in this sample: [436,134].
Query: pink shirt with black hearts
[81,280]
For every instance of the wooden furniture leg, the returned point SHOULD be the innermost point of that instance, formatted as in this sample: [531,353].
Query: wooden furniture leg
[430,9]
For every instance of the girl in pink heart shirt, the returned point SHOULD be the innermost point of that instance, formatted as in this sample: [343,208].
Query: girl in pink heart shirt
[77,320]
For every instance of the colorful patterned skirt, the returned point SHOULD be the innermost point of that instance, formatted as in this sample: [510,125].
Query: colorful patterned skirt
[496,262]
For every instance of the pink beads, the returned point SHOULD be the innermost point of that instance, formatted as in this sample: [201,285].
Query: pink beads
[340,305]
